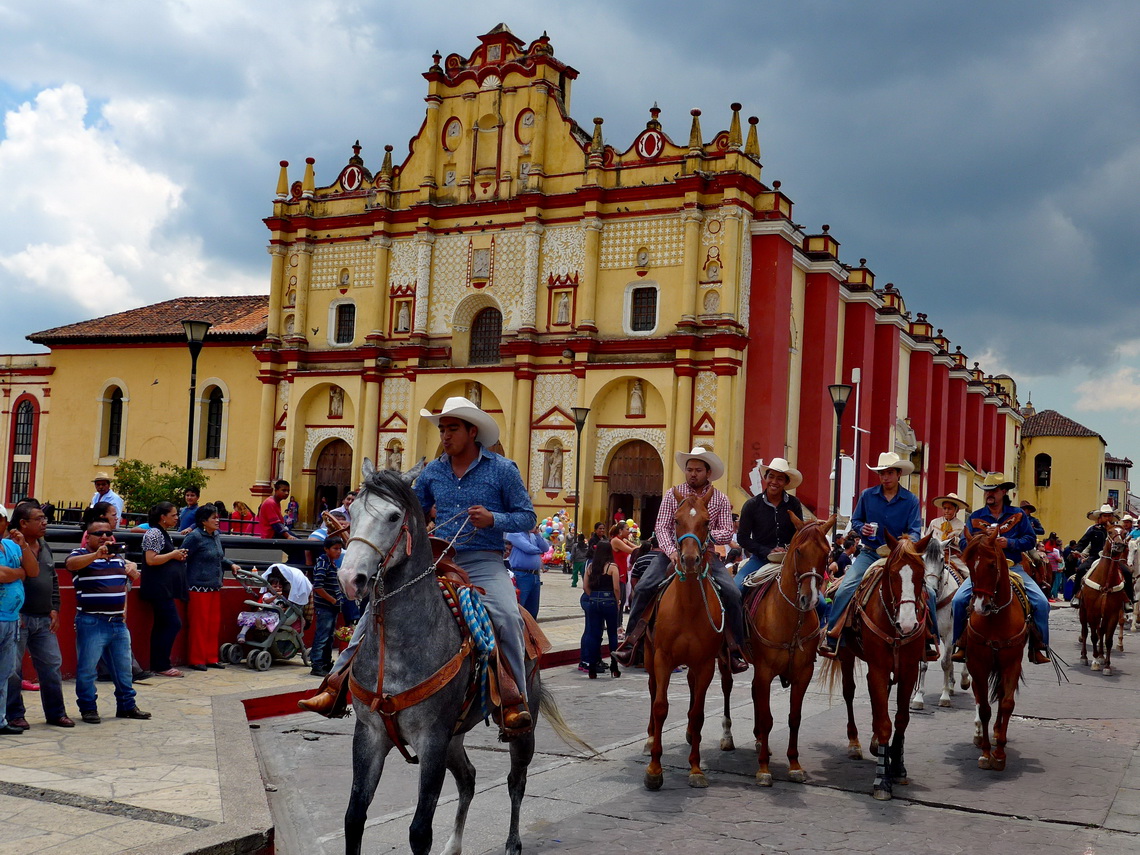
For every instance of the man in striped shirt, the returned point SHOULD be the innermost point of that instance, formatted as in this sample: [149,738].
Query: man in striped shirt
[701,468]
[100,578]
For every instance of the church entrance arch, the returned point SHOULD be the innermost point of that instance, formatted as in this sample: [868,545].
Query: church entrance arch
[333,475]
[636,481]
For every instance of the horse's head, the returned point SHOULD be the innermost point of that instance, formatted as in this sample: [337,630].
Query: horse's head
[904,574]
[1116,543]
[692,523]
[988,568]
[386,521]
[807,558]
[933,559]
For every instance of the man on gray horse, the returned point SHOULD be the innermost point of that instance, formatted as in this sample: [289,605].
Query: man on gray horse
[701,468]
[478,496]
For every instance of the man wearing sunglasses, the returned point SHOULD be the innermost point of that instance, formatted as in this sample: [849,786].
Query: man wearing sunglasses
[100,579]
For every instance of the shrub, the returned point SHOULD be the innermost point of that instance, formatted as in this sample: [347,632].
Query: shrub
[142,485]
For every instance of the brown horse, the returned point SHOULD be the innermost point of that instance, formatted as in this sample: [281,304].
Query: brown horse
[890,628]
[995,640]
[689,630]
[784,630]
[1103,600]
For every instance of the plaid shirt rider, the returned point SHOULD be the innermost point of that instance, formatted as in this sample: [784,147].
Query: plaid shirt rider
[720,517]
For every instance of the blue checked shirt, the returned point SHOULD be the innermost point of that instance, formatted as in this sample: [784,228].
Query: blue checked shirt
[901,515]
[491,481]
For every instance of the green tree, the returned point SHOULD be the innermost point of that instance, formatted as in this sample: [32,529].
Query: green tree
[142,485]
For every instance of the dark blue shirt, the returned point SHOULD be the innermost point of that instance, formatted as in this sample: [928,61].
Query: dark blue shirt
[491,481]
[1020,537]
[186,518]
[901,515]
[324,577]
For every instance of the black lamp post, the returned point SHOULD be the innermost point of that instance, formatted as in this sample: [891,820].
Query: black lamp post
[195,335]
[839,394]
[580,416]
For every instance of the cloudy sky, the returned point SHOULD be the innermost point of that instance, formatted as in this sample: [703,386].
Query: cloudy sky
[984,157]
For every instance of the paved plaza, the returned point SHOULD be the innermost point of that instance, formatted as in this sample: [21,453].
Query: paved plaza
[202,776]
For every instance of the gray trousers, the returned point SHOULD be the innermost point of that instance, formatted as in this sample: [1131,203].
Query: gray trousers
[488,572]
[660,569]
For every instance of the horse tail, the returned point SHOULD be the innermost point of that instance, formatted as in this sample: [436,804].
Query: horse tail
[548,707]
[830,673]
[996,685]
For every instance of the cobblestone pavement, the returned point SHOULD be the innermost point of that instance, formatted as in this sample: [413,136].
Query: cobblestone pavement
[1072,784]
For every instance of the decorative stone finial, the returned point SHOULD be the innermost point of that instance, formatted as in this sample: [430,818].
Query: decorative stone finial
[309,182]
[283,181]
[826,228]
[734,137]
[776,184]
[596,142]
[695,143]
[654,112]
[862,262]
[752,146]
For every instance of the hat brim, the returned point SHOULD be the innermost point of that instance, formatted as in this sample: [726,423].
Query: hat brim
[953,499]
[905,467]
[488,429]
[1004,485]
[1092,515]
[795,477]
[715,464]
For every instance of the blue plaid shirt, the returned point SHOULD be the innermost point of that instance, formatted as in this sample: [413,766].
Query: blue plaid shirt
[491,481]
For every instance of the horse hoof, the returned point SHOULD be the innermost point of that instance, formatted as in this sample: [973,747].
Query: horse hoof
[697,780]
[1108,672]
[797,776]
[965,682]
[1096,666]
[985,762]
[688,738]
[944,702]
[882,795]
[904,781]
[726,744]
[1084,661]
[764,779]
[874,747]
[654,782]
[977,742]
[998,765]
[917,704]
[1120,648]
[647,749]
[854,752]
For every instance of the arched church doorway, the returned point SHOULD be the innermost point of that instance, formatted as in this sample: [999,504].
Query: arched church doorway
[636,480]
[334,476]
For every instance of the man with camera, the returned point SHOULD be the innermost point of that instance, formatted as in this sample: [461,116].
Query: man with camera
[100,575]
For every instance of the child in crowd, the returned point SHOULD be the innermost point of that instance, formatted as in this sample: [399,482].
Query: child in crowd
[328,600]
[275,594]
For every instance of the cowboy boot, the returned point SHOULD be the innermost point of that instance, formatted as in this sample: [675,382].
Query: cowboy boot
[614,670]
[1038,652]
[736,661]
[331,699]
[628,648]
[516,716]
[959,654]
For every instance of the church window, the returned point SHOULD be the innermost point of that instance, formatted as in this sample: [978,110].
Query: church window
[1042,470]
[214,424]
[643,309]
[345,323]
[113,437]
[23,444]
[486,335]
[25,426]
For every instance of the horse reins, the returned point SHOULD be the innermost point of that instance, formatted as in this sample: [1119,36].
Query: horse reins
[798,641]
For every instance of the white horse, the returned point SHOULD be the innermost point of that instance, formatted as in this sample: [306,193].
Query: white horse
[945,576]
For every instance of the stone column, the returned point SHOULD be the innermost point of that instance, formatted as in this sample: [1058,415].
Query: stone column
[304,271]
[276,290]
[533,245]
[370,420]
[588,276]
[265,420]
[380,268]
[424,241]
[732,262]
[692,219]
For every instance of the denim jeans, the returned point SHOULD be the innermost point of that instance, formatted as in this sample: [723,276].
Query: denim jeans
[36,636]
[601,616]
[529,585]
[1038,605]
[747,569]
[94,635]
[321,654]
[9,641]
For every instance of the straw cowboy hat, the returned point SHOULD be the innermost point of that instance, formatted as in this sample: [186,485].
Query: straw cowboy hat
[953,498]
[703,454]
[461,408]
[1028,507]
[996,481]
[779,464]
[102,476]
[890,460]
[1103,509]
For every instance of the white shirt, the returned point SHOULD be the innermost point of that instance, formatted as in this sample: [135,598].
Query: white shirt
[112,498]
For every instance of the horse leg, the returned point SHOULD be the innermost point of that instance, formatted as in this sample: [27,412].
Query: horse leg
[654,776]
[762,729]
[1084,636]
[647,749]
[879,689]
[916,702]
[1120,624]
[461,768]
[522,750]
[726,741]
[699,682]
[897,768]
[432,753]
[1111,622]
[369,748]
[982,713]
[796,772]
[947,674]
[854,750]
[1007,684]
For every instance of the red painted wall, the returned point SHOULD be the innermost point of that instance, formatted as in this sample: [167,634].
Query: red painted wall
[859,352]
[973,430]
[884,397]
[939,429]
[919,387]
[955,431]
[817,413]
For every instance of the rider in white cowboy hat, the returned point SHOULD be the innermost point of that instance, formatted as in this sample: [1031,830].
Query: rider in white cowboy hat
[1020,538]
[1089,548]
[765,524]
[947,527]
[885,508]
[701,468]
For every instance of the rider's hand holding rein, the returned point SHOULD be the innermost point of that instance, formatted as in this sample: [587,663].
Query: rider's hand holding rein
[480,517]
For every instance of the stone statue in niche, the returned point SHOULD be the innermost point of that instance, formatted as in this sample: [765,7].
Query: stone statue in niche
[336,402]
[396,457]
[289,325]
[344,279]
[563,314]
[636,399]
[474,394]
[552,478]
[712,303]
[404,317]
[481,264]
[291,298]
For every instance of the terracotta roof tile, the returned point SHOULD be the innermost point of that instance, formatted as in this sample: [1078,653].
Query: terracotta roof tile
[1052,423]
[238,318]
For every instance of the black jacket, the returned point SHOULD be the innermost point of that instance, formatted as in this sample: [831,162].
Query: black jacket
[763,528]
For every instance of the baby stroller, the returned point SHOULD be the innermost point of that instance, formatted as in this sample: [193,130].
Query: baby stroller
[270,626]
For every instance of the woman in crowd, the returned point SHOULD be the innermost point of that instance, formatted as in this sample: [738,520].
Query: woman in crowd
[604,588]
[205,563]
[622,549]
[241,520]
[579,554]
[163,582]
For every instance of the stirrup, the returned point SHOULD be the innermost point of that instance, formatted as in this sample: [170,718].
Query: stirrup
[959,654]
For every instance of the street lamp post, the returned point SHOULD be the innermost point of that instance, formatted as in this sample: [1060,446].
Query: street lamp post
[839,394]
[195,335]
[580,416]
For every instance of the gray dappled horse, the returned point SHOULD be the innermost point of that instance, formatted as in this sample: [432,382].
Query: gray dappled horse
[390,555]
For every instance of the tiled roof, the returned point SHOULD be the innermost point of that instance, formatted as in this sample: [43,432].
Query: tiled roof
[1052,423]
[235,318]
[1123,461]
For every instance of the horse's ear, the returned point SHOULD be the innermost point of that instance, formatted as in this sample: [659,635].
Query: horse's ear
[368,468]
[412,474]
[830,524]
[923,543]
[796,521]
[892,541]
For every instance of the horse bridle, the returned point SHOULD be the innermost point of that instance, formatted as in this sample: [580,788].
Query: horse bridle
[797,575]
[919,603]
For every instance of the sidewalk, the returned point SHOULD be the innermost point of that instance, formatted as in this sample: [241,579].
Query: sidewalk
[186,780]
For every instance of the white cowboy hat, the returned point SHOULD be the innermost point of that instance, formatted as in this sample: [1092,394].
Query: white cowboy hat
[1103,509]
[703,454]
[779,464]
[461,408]
[996,481]
[890,460]
[953,498]
[102,476]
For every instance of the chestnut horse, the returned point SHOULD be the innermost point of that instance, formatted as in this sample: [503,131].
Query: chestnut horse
[995,639]
[784,629]
[689,630]
[1103,601]
[889,628]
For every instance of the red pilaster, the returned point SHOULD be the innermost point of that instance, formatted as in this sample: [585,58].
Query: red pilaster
[919,388]
[936,455]
[884,397]
[817,414]
[1000,463]
[766,384]
[989,436]
[973,427]
[859,352]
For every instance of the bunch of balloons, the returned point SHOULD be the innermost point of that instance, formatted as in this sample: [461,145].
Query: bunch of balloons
[634,530]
